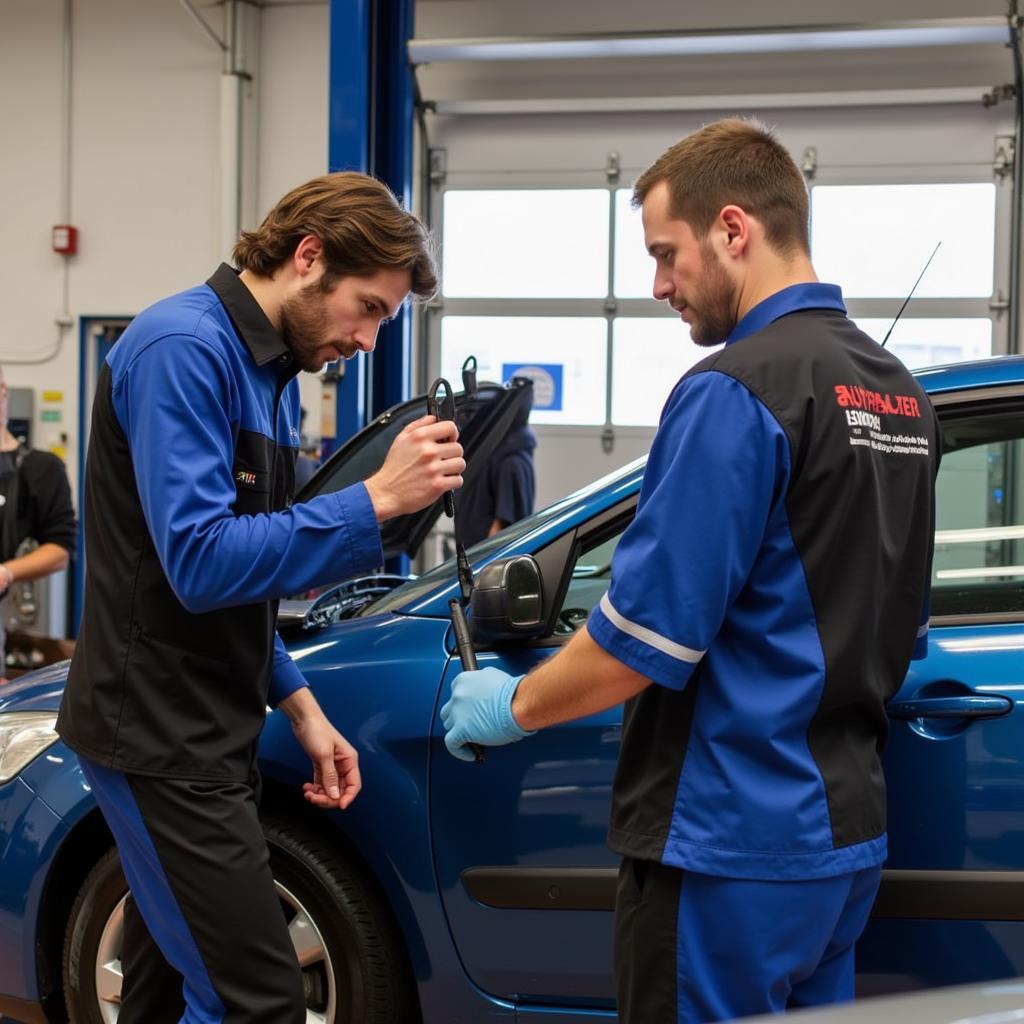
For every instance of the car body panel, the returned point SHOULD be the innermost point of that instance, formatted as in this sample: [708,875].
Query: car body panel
[377,679]
[543,802]
[959,784]
[32,833]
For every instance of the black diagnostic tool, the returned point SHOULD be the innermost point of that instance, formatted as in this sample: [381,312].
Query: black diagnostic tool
[444,409]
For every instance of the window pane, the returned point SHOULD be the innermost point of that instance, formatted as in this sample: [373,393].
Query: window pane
[874,240]
[650,355]
[634,268]
[564,355]
[591,577]
[927,342]
[529,243]
[979,537]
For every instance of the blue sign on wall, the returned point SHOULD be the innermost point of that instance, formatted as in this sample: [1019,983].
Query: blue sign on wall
[547,382]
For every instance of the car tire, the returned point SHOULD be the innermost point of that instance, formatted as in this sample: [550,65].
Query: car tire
[357,972]
[372,979]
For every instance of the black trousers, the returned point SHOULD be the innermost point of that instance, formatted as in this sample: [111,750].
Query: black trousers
[205,937]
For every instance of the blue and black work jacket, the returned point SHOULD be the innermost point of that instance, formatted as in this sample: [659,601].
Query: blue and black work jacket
[191,539]
[773,585]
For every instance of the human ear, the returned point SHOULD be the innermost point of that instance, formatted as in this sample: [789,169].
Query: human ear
[735,225]
[307,252]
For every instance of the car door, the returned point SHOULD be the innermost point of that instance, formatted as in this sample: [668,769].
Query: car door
[519,841]
[951,906]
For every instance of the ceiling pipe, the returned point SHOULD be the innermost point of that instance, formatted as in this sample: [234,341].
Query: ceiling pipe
[784,39]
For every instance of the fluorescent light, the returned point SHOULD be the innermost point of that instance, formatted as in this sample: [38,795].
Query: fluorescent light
[729,101]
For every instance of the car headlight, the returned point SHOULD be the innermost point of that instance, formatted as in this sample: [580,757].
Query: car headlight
[23,736]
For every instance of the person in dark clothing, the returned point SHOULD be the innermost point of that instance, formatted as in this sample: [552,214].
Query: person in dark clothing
[35,503]
[765,603]
[191,540]
[503,493]
[305,465]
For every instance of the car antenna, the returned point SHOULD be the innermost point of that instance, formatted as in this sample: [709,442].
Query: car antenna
[912,290]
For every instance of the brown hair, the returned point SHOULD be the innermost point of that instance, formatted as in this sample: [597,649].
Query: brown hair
[739,162]
[360,224]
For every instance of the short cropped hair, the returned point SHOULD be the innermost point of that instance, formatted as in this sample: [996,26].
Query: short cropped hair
[361,225]
[738,162]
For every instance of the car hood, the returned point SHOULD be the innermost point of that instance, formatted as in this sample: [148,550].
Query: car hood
[35,691]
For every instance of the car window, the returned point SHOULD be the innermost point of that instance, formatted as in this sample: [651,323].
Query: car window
[979,539]
[422,585]
[591,577]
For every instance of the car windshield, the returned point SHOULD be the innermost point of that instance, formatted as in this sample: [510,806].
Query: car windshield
[424,584]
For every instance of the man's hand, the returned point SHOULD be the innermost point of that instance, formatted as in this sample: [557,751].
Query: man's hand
[480,711]
[336,781]
[424,461]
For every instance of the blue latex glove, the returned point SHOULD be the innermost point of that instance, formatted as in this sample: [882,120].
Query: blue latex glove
[480,711]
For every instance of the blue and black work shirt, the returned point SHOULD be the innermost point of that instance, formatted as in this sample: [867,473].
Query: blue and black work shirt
[773,585]
[190,539]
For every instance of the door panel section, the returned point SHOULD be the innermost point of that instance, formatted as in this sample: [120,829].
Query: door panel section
[542,803]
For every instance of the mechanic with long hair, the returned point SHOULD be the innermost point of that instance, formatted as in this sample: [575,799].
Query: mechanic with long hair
[190,541]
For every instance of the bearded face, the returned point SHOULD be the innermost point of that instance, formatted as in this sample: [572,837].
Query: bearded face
[712,302]
[306,329]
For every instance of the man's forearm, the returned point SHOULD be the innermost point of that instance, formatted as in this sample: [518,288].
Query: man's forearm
[301,706]
[44,560]
[582,679]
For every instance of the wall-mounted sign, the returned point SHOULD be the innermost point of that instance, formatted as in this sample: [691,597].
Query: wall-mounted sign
[50,415]
[547,382]
[53,396]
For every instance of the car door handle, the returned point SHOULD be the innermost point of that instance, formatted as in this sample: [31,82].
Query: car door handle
[972,706]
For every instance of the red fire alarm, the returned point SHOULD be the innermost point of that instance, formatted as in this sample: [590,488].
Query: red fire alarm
[65,239]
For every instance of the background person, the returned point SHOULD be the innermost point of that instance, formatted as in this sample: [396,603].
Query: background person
[764,605]
[305,465]
[35,502]
[503,493]
[190,542]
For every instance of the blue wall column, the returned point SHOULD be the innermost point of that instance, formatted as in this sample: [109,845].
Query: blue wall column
[371,111]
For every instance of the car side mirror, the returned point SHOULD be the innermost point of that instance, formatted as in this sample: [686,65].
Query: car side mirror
[508,601]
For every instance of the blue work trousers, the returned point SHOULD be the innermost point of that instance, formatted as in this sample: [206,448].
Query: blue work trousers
[693,948]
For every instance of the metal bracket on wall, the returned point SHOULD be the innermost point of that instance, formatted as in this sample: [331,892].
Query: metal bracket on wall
[999,305]
[1002,162]
[608,440]
[998,93]
[612,170]
[437,159]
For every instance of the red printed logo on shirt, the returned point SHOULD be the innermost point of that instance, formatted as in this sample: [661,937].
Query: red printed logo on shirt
[853,396]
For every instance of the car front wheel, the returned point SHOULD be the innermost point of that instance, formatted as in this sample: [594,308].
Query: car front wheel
[353,965]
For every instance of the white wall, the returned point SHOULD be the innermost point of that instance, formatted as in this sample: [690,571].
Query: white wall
[293,126]
[145,164]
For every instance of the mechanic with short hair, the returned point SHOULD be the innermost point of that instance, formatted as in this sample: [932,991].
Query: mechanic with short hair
[191,540]
[764,605]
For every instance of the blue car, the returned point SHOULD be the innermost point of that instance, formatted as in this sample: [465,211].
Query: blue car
[455,892]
